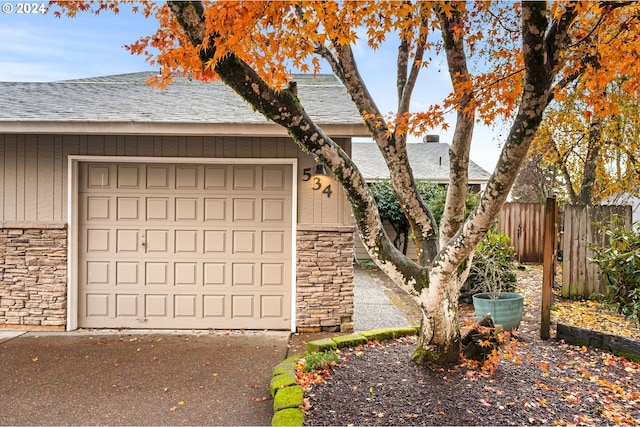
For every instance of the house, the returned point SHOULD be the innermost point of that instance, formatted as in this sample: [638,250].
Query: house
[627,199]
[125,206]
[429,162]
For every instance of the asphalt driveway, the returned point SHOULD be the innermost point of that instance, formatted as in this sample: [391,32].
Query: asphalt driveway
[128,378]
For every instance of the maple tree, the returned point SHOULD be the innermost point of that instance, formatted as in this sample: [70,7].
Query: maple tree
[597,155]
[504,59]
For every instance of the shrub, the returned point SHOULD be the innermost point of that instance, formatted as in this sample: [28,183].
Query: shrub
[437,201]
[390,209]
[434,195]
[619,264]
[318,361]
[493,266]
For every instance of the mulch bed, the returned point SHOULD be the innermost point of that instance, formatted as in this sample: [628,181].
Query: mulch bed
[545,383]
[552,384]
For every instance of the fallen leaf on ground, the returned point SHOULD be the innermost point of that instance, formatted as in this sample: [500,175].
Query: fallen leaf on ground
[593,315]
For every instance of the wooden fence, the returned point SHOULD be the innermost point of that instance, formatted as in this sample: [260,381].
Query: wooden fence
[582,227]
[524,223]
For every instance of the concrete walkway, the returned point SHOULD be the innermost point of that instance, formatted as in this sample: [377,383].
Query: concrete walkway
[373,309]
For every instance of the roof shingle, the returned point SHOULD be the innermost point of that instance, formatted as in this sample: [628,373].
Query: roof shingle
[429,162]
[126,98]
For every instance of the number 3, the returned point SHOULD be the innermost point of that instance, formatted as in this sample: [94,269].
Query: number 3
[317,183]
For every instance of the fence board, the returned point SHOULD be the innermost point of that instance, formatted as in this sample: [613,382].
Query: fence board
[524,224]
[582,227]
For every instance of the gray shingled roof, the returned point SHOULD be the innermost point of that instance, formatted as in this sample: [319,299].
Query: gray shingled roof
[126,98]
[429,162]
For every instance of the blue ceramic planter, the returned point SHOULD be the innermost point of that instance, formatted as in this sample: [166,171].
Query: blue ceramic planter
[506,310]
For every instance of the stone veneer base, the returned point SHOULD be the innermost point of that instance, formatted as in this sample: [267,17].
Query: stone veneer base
[33,276]
[324,274]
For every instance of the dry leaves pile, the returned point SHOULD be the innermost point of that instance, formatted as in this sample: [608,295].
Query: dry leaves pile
[593,315]
[587,314]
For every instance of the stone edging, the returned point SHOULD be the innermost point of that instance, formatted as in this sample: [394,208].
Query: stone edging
[621,346]
[288,396]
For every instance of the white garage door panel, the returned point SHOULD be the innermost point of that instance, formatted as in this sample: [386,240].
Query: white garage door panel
[185,246]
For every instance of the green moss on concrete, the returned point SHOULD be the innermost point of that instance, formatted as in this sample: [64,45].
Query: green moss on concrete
[289,397]
[288,417]
[286,366]
[321,345]
[281,381]
[350,340]
[379,334]
[360,338]
[406,332]
[629,356]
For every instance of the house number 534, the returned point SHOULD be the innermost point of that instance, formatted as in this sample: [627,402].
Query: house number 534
[316,182]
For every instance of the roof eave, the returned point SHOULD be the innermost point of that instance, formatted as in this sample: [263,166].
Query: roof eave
[169,128]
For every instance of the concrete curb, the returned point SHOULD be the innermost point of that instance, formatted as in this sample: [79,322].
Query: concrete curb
[288,396]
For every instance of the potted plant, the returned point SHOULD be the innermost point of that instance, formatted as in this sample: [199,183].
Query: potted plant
[492,281]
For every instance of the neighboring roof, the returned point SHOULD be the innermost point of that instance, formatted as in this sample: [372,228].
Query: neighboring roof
[125,103]
[429,162]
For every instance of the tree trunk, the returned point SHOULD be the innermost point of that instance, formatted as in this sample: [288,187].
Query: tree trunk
[394,152]
[589,175]
[439,340]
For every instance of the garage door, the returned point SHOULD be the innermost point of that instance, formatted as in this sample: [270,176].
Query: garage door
[184,246]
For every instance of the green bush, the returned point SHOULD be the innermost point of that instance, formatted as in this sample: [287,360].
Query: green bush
[318,361]
[434,196]
[619,263]
[437,201]
[390,209]
[493,266]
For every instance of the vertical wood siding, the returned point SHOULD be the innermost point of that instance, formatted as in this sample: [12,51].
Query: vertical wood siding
[582,227]
[33,180]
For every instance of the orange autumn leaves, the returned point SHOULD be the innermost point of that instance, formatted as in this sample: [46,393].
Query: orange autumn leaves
[590,314]
[276,37]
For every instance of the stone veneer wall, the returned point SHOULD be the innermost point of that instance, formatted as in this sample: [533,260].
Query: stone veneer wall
[33,276]
[324,292]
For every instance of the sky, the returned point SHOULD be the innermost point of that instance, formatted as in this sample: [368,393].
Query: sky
[39,47]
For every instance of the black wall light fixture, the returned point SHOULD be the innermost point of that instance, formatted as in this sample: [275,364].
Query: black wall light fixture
[321,170]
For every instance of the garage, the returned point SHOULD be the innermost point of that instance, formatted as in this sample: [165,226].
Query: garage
[123,206]
[169,245]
